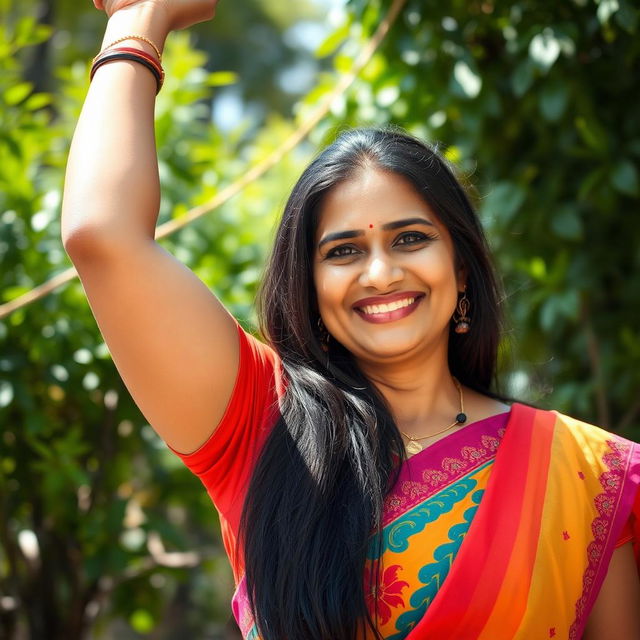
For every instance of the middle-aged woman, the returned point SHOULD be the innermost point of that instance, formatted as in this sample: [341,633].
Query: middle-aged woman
[369,482]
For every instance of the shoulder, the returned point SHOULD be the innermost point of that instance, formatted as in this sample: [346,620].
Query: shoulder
[583,434]
[577,444]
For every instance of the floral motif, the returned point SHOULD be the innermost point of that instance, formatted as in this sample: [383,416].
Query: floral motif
[453,464]
[389,593]
[604,504]
[489,442]
[434,477]
[412,489]
[394,503]
[594,551]
[610,481]
[472,453]
[599,528]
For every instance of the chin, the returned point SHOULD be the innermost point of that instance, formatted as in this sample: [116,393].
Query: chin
[387,351]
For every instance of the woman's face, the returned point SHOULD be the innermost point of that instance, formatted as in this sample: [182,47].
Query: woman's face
[384,269]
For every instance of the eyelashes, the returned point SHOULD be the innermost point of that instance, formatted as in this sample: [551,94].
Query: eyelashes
[343,251]
[417,236]
[408,240]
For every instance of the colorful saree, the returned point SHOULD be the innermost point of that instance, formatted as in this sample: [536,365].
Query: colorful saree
[502,530]
[538,546]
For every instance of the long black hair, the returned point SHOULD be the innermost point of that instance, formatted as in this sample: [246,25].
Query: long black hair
[315,500]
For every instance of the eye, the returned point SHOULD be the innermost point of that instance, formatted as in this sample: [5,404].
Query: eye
[410,238]
[342,251]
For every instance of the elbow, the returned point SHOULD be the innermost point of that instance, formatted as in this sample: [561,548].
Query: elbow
[82,242]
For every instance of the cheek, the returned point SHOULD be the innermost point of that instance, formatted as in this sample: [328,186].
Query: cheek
[435,268]
[330,287]
[322,285]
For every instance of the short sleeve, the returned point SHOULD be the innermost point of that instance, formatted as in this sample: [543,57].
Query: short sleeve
[225,461]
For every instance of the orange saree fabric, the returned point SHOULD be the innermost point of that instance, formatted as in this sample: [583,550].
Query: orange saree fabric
[540,543]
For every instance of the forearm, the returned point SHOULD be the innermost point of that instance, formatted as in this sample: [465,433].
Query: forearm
[112,188]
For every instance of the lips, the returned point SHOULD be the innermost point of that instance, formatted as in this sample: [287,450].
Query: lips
[388,308]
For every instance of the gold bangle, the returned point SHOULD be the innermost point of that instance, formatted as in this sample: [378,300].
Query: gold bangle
[141,38]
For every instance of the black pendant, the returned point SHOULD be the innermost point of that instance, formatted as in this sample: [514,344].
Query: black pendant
[461,418]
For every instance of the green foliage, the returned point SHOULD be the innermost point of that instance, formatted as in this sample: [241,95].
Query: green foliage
[533,102]
[115,516]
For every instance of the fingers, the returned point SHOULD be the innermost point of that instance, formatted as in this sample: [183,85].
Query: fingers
[189,12]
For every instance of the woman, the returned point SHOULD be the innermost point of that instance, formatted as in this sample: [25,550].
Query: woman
[369,483]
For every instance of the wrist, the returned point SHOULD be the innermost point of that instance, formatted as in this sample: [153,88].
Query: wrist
[146,20]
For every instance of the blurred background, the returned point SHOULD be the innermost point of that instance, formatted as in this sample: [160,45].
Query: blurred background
[103,533]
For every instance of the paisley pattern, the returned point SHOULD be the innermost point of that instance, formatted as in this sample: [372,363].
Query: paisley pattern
[433,574]
[421,543]
[397,535]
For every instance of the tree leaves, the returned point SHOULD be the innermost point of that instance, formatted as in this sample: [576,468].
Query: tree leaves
[624,177]
[544,49]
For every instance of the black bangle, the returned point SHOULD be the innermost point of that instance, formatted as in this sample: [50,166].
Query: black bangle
[123,55]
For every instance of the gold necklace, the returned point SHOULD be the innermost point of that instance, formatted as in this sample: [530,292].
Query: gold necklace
[413,446]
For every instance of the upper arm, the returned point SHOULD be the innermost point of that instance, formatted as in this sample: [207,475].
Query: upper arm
[616,613]
[173,343]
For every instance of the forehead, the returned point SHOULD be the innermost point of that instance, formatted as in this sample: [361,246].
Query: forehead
[371,197]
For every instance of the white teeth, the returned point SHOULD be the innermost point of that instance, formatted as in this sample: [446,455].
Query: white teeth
[387,308]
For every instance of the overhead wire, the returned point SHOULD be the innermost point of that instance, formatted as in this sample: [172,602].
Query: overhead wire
[253,174]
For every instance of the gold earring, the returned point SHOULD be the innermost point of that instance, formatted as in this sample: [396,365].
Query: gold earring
[460,316]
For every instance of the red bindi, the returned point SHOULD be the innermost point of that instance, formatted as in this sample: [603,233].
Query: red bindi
[370,226]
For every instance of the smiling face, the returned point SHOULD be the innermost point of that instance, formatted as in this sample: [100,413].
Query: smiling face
[384,269]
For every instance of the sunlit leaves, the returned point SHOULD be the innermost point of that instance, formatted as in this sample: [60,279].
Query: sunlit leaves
[539,100]
[532,102]
[70,435]
[469,82]
[544,49]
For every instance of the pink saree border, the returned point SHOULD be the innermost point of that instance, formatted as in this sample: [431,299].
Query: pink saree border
[446,461]
[241,608]
[619,483]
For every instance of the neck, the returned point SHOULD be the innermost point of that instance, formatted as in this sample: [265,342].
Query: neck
[421,394]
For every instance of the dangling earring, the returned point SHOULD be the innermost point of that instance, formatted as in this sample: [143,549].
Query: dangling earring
[324,335]
[460,317]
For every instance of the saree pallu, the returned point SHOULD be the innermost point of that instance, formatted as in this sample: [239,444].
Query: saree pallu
[502,530]
[538,549]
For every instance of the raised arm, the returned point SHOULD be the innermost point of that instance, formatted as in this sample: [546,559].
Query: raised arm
[173,343]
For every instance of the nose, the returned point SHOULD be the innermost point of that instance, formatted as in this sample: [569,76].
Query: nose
[380,273]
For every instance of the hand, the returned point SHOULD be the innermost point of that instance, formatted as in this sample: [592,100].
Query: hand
[180,14]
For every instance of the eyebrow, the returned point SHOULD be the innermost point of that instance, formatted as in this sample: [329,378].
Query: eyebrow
[389,226]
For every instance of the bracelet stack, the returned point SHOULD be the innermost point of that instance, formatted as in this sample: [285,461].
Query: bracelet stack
[112,53]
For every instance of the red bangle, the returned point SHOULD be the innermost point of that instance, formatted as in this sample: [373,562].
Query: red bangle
[133,54]
[124,55]
[139,52]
